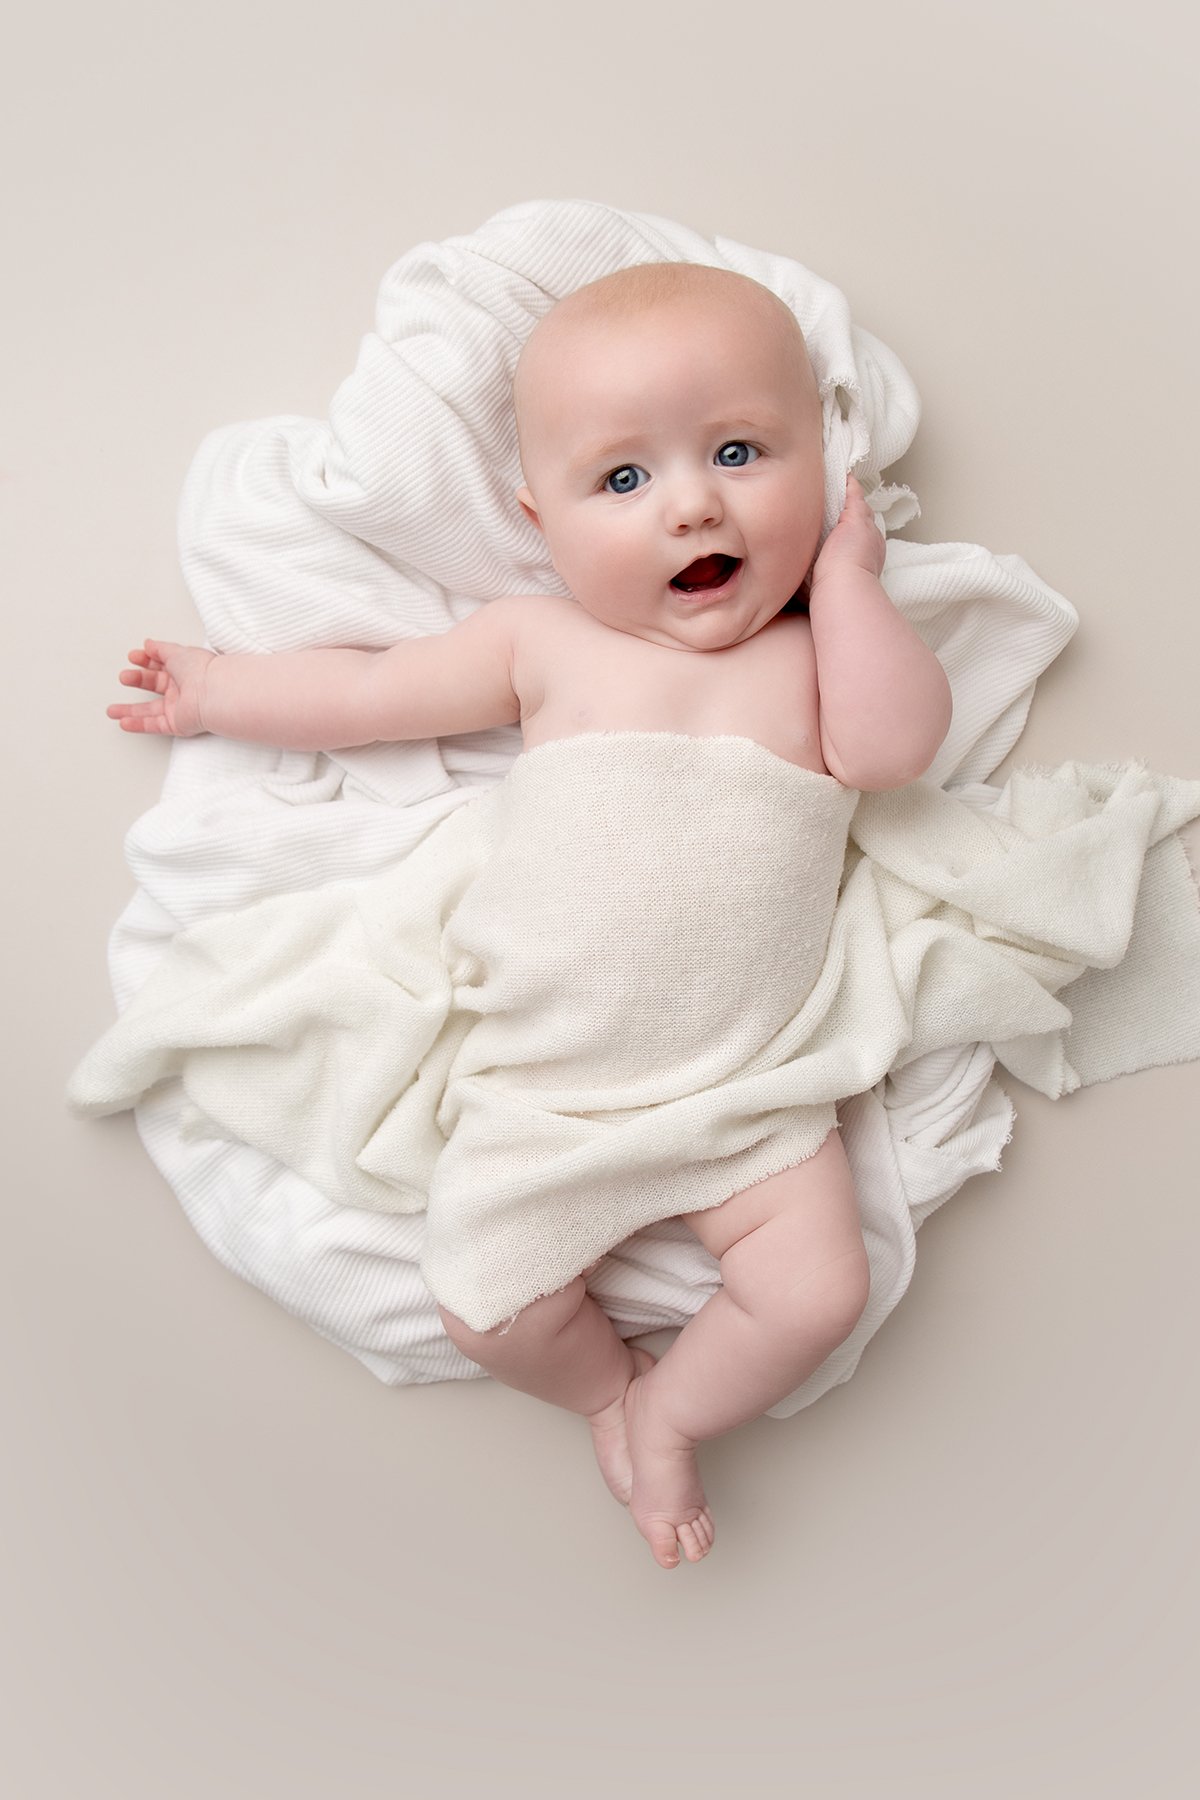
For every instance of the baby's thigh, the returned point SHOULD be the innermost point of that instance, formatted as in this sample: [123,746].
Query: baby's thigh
[815,1199]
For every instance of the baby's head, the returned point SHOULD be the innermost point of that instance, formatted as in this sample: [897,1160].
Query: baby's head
[668,414]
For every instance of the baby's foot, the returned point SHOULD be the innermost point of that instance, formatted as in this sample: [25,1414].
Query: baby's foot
[609,1438]
[667,1502]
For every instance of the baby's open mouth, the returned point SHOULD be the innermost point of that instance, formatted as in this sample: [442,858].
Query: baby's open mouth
[706,572]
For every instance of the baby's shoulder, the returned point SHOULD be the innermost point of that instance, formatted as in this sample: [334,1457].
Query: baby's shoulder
[540,627]
[537,609]
[787,636]
[536,620]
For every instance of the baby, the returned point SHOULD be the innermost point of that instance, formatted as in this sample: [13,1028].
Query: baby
[670,435]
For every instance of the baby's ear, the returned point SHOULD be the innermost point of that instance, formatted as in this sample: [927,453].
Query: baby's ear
[528,506]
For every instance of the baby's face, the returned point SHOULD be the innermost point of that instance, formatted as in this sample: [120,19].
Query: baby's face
[650,442]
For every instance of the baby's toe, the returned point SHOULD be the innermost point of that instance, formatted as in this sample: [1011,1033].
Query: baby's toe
[661,1538]
[696,1537]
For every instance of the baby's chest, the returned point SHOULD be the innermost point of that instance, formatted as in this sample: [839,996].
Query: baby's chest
[764,689]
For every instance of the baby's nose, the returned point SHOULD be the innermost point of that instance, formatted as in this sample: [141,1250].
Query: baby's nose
[694,501]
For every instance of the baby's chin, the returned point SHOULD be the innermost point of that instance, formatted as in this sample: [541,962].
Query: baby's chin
[683,624]
[712,630]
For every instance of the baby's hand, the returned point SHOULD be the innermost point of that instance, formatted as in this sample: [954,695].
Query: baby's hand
[175,672]
[855,542]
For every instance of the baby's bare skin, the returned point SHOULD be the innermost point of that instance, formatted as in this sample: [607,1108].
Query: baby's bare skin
[706,391]
[574,674]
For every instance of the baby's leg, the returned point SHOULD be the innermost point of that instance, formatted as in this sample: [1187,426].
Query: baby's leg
[563,1348]
[795,1282]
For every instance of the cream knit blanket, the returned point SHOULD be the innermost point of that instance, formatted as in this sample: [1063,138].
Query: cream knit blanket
[615,988]
[583,1005]
[295,531]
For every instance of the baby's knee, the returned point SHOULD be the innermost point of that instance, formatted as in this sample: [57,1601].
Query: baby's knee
[825,1304]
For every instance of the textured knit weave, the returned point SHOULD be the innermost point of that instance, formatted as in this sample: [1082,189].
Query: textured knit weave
[615,988]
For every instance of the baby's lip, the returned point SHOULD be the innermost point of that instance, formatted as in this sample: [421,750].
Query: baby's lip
[711,570]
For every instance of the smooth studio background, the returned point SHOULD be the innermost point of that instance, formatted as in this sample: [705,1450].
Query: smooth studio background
[235,1564]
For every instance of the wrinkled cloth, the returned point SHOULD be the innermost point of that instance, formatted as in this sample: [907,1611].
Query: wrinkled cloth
[577,1009]
[621,986]
[396,517]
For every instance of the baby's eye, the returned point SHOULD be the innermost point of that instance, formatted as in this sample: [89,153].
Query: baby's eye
[624,480]
[735,455]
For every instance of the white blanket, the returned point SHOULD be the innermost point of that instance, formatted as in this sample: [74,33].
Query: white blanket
[588,1002]
[295,533]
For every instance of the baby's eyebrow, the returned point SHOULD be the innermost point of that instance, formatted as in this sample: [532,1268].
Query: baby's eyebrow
[605,453]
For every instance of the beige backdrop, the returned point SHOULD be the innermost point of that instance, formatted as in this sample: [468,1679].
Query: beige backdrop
[237,1565]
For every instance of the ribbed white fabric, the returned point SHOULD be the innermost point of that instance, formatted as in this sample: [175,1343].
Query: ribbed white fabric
[397,518]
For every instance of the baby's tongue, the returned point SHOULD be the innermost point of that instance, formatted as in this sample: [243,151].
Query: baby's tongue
[706,571]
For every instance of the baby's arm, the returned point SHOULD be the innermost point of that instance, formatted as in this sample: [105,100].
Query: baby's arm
[455,681]
[884,700]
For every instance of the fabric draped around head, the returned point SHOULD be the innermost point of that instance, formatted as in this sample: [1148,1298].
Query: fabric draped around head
[415,474]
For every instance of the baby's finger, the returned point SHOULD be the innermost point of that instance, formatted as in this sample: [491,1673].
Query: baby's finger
[140,717]
[154,679]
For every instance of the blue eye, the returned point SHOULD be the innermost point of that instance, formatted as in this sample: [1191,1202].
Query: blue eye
[621,484]
[742,454]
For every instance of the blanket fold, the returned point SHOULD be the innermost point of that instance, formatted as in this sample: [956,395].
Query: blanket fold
[636,977]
